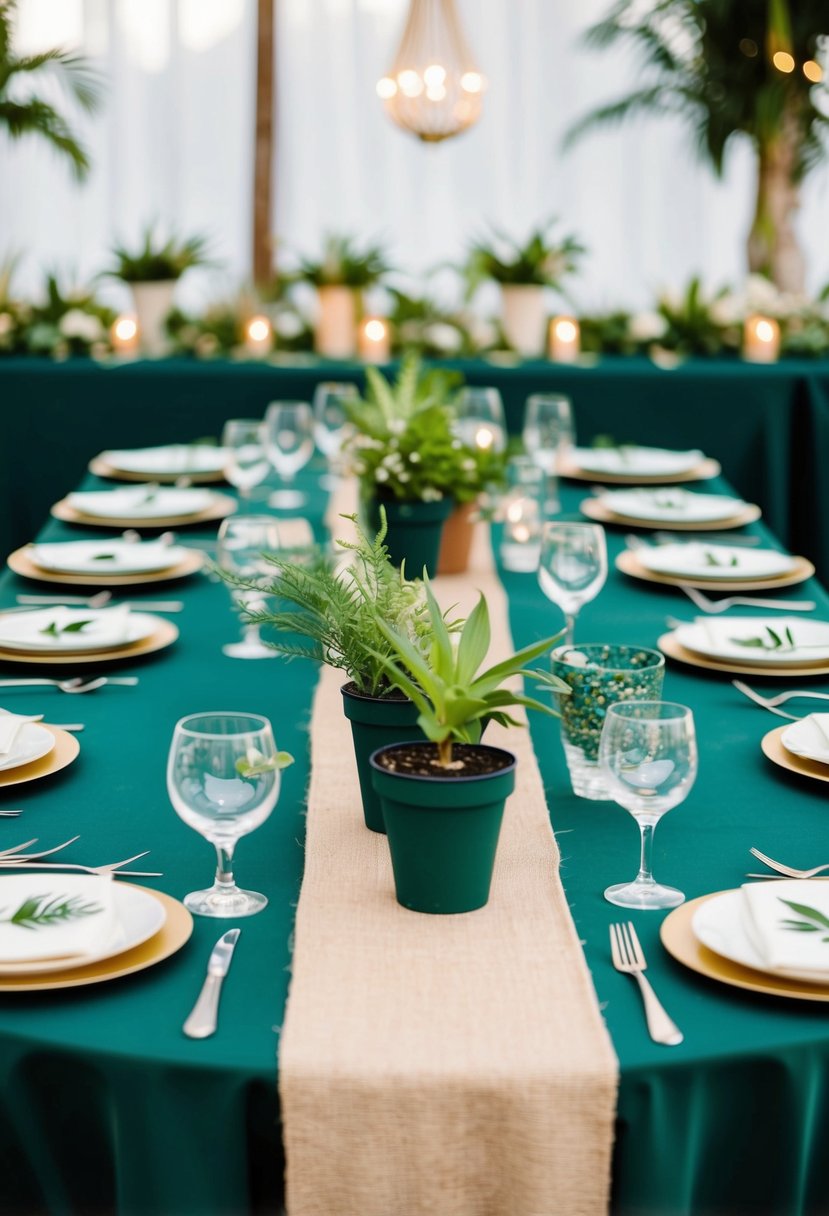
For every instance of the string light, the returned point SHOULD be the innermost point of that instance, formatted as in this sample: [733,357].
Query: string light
[813,71]
[783,61]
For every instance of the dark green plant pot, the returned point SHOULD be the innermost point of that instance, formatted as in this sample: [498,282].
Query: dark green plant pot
[376,722]
[414,532]
[443,834]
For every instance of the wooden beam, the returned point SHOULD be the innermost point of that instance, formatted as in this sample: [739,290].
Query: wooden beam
[263,151]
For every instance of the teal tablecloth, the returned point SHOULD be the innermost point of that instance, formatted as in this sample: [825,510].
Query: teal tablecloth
[768,425]
[105,1106]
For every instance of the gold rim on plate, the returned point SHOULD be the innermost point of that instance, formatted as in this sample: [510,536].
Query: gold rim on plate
[774,749]
[66,750]
[593,509]
[174,933]
[22,564]
[164,636]
[703,471]
[629,564]
[672,648]
[102,468]
[678,939]
[223,505]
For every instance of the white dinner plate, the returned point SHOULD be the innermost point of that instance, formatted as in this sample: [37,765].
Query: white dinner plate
[721,637]
[172,460]
[698,560]
[808,738]
[140,916]
[671,505]
[105,557]
[141,502]
[634,460]
[718,924]
[32,742]
[108,628]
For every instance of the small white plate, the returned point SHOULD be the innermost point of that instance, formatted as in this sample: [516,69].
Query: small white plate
[105,557]
[32,742]
[140,917]
[173,460]
[719,638]
[140,502]
[697,560]
[635,461]
[109,628]
[671,505]
[718,924]
[806,738]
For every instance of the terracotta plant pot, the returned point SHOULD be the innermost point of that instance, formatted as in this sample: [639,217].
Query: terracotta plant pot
[414,532]
[153,302]
[335,334]
[443,832]
[524,318]
[376,722]
[456,541]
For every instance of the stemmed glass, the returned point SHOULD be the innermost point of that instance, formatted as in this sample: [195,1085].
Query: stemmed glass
[243,542]
[247,462]
[480,415]
[548,433]
[572,568]
[331,425]
[289,438]
[223,781]
[648,755]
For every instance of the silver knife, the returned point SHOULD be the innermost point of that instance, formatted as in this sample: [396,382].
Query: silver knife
[202,1021]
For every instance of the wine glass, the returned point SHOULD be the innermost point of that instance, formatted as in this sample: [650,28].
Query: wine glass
[247,462]
[289,438]
[572,568]
[480,419]
[331,425]
[222,781]
[243,542]
[648,754]
[548,434]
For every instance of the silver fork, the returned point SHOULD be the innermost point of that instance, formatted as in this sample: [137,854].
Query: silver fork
[738,539]
[101,600]
[731,601]
[76,684]
[787,871]
[628,958]
[771,703]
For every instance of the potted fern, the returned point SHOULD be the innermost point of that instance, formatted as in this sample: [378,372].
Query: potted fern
[152,271]
[523,271]
[443,800]
[340,275]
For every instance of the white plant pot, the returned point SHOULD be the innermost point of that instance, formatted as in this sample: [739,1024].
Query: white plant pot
[153,301]
[524,317]
[335,335]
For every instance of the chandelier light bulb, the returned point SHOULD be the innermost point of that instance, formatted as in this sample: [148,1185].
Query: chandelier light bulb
[472,82]
[410,83]
[386,87]
[434,76]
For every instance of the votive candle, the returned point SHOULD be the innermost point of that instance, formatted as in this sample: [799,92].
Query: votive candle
[761,340]
[124,336]
[565,340]
[374,343]
[258,336]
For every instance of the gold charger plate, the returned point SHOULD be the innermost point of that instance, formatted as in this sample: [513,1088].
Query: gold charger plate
[671,647]
[629,564]
[679,940]
[774,750]
[593,509]
[706,469]
[102,468]
[223,506]
[22,564]
[164,636]
[66,750]
[171,937]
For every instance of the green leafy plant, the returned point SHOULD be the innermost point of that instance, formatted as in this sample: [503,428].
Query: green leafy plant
[419,324]
[540,260]
[68,320]
[711,559]
[53,630]
[343,263]
[40,910]
[255,764]
[813,920]
[155,259]
[453,695]
[770,639]
[692,324]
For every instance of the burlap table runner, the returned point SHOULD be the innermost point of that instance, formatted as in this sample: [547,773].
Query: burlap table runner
[449,1065]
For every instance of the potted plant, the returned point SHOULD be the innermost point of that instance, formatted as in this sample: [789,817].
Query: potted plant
[443,800]
[340,275]
[523,272]
[152,271]
[331,616]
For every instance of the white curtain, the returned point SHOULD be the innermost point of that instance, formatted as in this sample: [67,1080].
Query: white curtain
[174,142]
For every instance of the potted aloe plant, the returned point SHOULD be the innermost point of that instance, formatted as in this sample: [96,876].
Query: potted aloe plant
[523,271]
[331,615]
[443,800]
[152,271]
[340,276]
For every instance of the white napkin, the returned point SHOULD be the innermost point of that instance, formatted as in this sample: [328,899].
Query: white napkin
[809,737]
[89,926]
[106,627]
[10,725]
[140,502]
[770,924]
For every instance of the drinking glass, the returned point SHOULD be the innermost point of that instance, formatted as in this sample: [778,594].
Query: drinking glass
[243,542]
[247,462]
[331,426]
[220,782]
[480,419]
[548,434]
[572,568]
[648,751]
[289,439]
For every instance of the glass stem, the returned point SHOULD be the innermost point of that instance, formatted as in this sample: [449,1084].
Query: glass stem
[569,628]
[224,867]
[646,831]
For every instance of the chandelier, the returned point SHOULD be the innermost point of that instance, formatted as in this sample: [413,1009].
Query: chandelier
[434,88]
